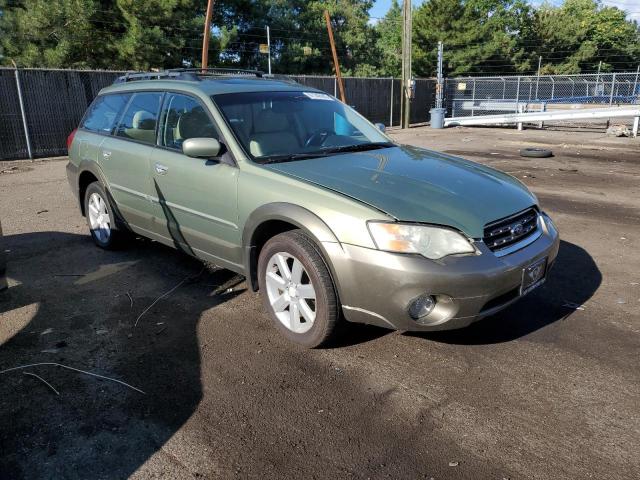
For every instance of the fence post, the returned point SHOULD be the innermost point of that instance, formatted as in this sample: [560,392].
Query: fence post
[335,87]
[24,115]
[518,94]
[473,98]
[613,82]
[391,106]
[553,87]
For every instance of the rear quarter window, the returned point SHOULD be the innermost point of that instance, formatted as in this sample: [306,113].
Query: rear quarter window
[104,113]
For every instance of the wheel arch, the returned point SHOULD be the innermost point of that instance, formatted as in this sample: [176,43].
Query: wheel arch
[275,218]
[89,172]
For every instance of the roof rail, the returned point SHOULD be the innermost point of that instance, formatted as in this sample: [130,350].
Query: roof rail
[190,74]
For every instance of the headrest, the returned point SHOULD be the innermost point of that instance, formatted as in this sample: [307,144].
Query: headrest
[194,124]
[143,120]
[269,121]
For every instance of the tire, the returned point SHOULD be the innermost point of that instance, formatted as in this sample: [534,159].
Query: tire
[111,237]
[536,153]
[313,321]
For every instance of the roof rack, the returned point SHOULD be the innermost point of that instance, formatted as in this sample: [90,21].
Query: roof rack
[190,74]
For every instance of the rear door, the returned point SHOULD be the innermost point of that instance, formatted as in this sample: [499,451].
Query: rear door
[124,158]
[197,198]
[98,123]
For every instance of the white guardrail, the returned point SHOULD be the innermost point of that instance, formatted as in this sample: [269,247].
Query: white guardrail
[532,117]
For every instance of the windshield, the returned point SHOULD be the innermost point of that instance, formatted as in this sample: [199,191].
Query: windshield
[281,126]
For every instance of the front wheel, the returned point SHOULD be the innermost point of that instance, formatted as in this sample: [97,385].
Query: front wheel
[297,289]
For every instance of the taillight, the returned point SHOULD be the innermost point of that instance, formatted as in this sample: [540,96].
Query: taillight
[70,138]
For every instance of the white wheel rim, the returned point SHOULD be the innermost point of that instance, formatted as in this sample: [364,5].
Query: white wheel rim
[291,292]
[99,220]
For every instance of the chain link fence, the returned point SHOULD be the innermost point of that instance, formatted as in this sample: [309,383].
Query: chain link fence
[471,96]
[40,107]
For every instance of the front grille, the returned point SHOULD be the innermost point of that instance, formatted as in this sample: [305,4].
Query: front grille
[503,233]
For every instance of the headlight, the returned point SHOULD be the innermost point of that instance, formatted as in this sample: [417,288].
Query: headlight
[431,242]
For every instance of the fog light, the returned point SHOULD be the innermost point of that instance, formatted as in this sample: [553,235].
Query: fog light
[421,306]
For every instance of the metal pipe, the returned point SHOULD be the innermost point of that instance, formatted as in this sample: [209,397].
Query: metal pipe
[473,97]
[538,79]
[391,106]
[613,82]
[24,115]
[269,47]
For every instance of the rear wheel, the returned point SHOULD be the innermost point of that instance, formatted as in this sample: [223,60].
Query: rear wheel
[297,289]
[101,219]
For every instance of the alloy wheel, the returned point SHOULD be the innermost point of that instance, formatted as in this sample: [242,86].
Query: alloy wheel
[291,292]
[99,219]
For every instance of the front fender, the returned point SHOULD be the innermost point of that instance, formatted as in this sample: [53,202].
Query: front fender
[302,218]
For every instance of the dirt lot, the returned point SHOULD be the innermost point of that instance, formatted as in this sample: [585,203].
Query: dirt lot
[550,388]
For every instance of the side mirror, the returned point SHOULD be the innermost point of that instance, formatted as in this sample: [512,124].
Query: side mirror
[381,127]
[201,147]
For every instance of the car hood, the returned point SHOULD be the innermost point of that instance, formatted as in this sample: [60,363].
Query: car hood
[418,185]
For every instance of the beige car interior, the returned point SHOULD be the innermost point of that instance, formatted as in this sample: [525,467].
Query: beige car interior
[143,126]
[271,132]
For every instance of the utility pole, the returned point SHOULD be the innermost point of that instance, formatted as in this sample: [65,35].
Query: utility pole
[335,56]
[406,63]
[207,34]
[269,47]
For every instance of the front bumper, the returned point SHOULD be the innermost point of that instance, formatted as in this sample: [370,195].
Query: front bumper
[377,287]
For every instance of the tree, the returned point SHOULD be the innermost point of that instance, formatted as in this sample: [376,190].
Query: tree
[576,36]
[389,42]
[48,33]
[487,36]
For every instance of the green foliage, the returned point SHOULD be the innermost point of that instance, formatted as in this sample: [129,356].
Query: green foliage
[578,35]
[389,42]
[480,36]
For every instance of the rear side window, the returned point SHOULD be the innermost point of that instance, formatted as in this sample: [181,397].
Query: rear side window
[104,113]
[140,117]
[184,117]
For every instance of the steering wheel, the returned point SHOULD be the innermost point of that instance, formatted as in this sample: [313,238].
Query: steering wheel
[317,138]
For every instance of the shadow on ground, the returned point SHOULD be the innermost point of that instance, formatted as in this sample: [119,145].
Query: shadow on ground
[76,305]
[268,409]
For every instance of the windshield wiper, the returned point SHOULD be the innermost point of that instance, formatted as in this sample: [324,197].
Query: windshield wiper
[359,147]
[325,152]
[289,157]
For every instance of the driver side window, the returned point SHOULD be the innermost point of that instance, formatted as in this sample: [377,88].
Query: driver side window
[182,118]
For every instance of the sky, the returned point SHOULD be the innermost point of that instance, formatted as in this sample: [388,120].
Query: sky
[631,6]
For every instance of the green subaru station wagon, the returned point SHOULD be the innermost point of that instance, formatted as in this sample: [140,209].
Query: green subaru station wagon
[319,209]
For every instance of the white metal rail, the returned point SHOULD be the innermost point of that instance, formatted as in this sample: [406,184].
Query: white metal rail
[531,117]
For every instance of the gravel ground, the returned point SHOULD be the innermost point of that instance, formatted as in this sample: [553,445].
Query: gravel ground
[549,388]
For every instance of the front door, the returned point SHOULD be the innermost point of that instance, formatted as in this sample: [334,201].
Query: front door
[196,207]
[125,156]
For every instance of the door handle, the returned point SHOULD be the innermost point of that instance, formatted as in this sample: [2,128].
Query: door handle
[161,169]
[106,154]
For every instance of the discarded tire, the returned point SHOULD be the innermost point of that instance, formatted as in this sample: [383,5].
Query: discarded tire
[536,153]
